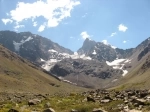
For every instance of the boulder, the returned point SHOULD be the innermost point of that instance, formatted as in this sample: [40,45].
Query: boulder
[34,102]
[90,99]
[138,102]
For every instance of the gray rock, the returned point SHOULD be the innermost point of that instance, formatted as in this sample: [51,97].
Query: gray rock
[98,110]
[90,99]
[47,105]
[34,102]
[73,110]
[105,101]
[49,110]
[13,110]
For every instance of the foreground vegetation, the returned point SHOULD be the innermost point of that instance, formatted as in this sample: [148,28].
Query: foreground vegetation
[91,101]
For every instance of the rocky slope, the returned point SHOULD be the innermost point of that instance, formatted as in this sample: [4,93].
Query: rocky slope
[88,101]
[87,73]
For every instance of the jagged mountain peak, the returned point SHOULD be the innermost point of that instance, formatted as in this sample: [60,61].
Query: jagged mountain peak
[88,45]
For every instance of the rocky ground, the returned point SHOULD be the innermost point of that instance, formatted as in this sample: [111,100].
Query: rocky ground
[90,101]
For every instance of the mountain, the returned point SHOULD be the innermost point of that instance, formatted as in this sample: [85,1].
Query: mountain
[30,46]
[102,51]
[94,65]
[107,65]
[19,75]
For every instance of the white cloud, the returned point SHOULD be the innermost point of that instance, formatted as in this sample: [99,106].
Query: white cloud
[124,41]
[34,24]
[85,35]
[113,34]
[84,15]
[71,37]
[122,28]
[19,26]
[53,11]
[5,21]
[41,28]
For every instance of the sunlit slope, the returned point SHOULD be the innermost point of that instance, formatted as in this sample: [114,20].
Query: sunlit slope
[139,77]
[19,75]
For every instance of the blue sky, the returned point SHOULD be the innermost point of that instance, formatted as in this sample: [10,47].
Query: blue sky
[121,23]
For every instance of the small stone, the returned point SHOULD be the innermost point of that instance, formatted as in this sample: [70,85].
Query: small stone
[47,105]
[13,110]
[98,110]
[73,110]
[105,101]
[49,110]
[90,99]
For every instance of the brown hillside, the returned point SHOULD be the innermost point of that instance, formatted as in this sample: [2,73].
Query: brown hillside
[19,75]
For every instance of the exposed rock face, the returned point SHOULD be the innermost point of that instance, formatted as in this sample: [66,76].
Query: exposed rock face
[87,67]
[102,52]
[87,47]
[30,46]
[98,50]
[144,52]
[145,66]
[80,69]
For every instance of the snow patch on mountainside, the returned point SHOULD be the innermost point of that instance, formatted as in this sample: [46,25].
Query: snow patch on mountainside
[55,57]
[106,43]
[17,45]
[119,64]
[113,47]
[67,81]
[124,72]
[94,52]
[114,80]
[42,60]
[49,64]
[52,50]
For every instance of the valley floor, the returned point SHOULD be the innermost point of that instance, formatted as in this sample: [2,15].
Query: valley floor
[90,101]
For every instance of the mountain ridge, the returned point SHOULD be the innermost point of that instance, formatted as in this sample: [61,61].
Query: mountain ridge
[50,55]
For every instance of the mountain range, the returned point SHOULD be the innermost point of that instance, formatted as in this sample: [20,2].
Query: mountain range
[94,65]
